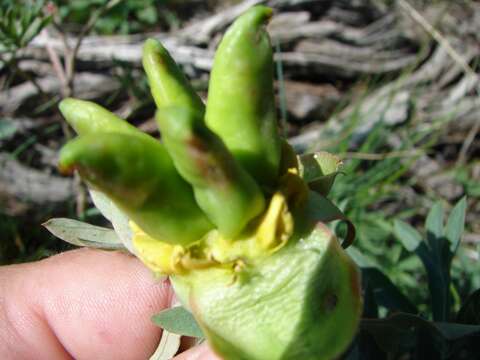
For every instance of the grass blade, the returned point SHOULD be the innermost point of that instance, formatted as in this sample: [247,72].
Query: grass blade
[178,320]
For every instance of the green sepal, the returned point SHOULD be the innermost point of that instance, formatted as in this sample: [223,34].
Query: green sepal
[319,170]
[302,302]
[325,211]
[178,320]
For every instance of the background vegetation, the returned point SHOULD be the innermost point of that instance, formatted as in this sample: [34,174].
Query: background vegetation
[391,86]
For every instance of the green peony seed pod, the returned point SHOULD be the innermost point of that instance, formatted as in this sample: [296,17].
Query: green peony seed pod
[139,176]
[241,104]
[223,189]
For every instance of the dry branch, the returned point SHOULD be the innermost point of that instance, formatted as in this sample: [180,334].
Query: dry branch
[21,186]
[88,86]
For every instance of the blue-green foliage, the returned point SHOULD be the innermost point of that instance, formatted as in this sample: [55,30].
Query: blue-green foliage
[20,22]
[129,16]
[436,332]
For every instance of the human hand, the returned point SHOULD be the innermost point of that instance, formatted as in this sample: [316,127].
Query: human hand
[83,304]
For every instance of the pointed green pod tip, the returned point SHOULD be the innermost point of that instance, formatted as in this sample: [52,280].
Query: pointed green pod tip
[152,46]
[255,16]
[104,162]
[87,117]
[67,106]
[66,162]
[169,85]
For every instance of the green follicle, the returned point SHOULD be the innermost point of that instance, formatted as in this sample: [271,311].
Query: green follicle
[139,176]
[223,189]
[169,85]
[87,117]
[241,106]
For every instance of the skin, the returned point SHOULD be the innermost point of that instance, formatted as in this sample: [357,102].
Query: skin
[83,304]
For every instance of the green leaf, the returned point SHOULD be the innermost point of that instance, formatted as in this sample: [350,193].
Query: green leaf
[382,289]
[434,227]
[82,234]
[178,320]
[148,15]
[168,347]
[319,170]
[410,263]
[33,30]
[454,331]
[439,292]
[409,237]
[399,331]
[437,281]
[438,263]
[470,311]
[116,216]
[361,259]
[394,253]
[370,306]
[20,23]
[386,293]
[322,209]
[456,224]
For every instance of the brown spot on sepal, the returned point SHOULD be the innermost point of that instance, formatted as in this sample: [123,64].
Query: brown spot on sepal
[330,302]
[214,169]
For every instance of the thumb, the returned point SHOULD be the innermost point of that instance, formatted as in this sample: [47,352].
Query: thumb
[82,304]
